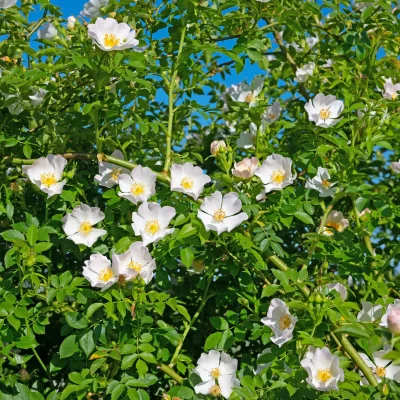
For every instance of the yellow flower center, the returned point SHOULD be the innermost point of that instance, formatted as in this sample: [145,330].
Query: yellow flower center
[249,98]
[135,266]
[335,225]
[272,116]
[198,266]
[105,274]
[115,174]
[110,40]
[323,375]
[48,179]
[215,390]
[324,113]
[215,373]
[394,96]
[219,215]
[285,322]
[85,228]
[326,184]
[152,227]
[187,183]
[137,188]
[380,371]
[278,176]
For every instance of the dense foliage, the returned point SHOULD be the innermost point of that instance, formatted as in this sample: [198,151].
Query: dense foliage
[284,267]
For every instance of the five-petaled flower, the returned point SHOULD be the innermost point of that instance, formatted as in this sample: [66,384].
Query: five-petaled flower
[217,372]
[136,261]
[321,182]
[276,172]
[272,113]
[324,110]
[92,8]
[303,73]
[139,186]
[46,173]
[245,169]
[280,321]
[188,179]
[390,89]
[99,272]
[221,214]
[151,222]
[79,225]
[336,221]
[369,312]
[110,35]
[49,31]
[246,94]
[338,287]
[324,372]
[109,173]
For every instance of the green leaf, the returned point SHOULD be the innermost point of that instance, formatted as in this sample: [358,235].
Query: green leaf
[93,308]
[128,361]
[76,320]
[212,341]
[270,290]
[187,257]
[32,235]
[42,246]
[141,367]
[27,342]
[219,323]
[23,391]
[187,231]
[303,217]
[117,391]
[12,236]
[353,330]
[27,150]
[87,343]
[69,346]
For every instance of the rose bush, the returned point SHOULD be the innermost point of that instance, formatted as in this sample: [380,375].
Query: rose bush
[165,234]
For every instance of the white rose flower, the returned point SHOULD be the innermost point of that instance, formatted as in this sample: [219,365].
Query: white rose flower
[151,222]
[49,31]
[46,173]
[188,179]
[137,261]
[224,97]
[339,287]
[139,186]
[395,305]
[7,3]
[272,113]
[221,214]
[395,165]
[324,110]
[15,107]
[245,169]
[247,140]
[91,9]
[381,367]
[323,369]
[390,89]
[109,174]
[321,183]
[99,272]
[276,172]
[217,371]
[328,63]
[38,96]
[336,221]
[280,321]
[246,94]
[369,312]
[71,21]
[78,225]
[303,73]
[109,35]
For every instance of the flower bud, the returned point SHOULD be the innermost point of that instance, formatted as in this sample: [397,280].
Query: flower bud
[245,169]
[393,320]
[385,389]
[217,146]
[71,22]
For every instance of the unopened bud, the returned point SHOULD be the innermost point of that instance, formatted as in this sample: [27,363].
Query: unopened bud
[71,21]
[393,320]
[217,146]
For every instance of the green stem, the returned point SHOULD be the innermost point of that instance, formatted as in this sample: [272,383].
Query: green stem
[366,237]
[38,25]
[192,321]
[169,371]
[171,102]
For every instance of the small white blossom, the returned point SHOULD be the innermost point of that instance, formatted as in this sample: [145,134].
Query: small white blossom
[78,225]
[91,9]
[109,35]
[225,95]
[324,372]
[336,221]
[151,222]
[71,21]
[394,306]
[38,96]
[136,261]
[276,172]
[303,73]
[321,183]
[339,287]
[99,272]
[221,214]
[217,372]
[395,165]
[139,186]
[280,321]
[324,110]
[245,169]
[328,63]
[46,173]
[246,140]
[16,106]
[246,94]
[369,312]
[390,89]
[49,31]
[188,179]
[272,113]
[7,3]
[109,174]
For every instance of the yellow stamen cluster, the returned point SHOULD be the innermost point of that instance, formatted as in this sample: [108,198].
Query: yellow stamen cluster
[105,274]
[137,188]
[323,375]
[278,176]
[48,179]
[110,40]
[215,373]
[219,215]
[335,225]
[326,184]
[85,228]
[249,98]
[135,266]
[215,390]
[187,183]
[324,113]
[115,174]
[152,227]
[380,371]
[285,322]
